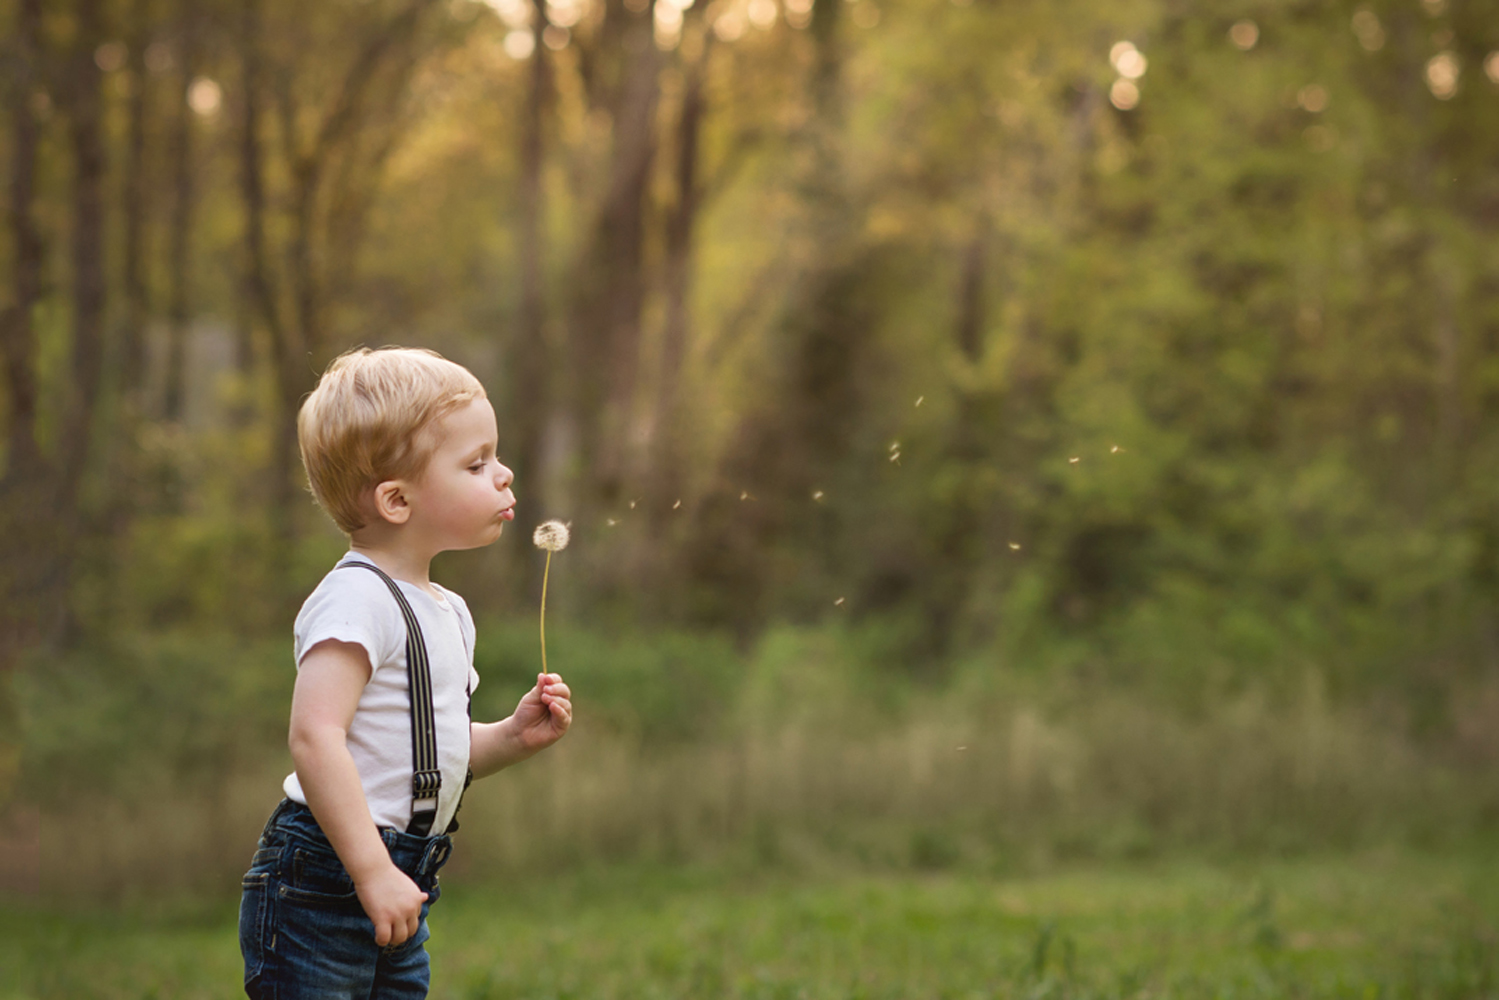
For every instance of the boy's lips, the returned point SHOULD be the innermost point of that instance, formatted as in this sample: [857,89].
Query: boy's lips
[508,514]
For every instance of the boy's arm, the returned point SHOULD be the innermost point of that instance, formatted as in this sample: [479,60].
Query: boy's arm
[329,682]
[541,719]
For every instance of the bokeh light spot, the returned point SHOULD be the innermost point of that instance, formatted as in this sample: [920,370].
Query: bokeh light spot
[763,13]
[111,56]
[1244,34]
[1131,65]
[159,58]
[204,96]
[565,13]
[555,37]
[1443,71]
[1491,67]
[520,43]
[1368,29]
[515,13]
[1124,95]
[1313,98]
[668,26]
[730,26]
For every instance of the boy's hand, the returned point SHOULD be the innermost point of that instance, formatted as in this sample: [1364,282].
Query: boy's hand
[392,902]
[541,719]
[544,714]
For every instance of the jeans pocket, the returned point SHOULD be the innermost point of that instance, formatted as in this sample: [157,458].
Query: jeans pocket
[253,905]
[315,879]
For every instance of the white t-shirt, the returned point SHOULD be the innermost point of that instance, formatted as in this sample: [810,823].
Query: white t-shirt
[354,605]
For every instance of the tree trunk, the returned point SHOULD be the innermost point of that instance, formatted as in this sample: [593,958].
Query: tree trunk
[179,268]
[25,486]
[18,335]
[86,367]
[606,320]
[260,287]
[136,306]
[666,480]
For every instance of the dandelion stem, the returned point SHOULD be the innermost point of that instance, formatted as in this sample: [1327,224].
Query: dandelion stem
[544,574]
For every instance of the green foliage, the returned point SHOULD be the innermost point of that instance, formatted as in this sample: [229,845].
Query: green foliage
[662,689]
[148,716]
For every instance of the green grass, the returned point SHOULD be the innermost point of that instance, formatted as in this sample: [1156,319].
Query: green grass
[1369,926]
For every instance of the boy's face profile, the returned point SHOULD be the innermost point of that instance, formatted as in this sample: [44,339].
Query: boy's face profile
[462,498]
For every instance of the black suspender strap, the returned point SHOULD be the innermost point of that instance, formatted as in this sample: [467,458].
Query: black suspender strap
[426,780]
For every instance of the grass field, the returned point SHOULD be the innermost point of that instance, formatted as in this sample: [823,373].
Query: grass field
[1374,925]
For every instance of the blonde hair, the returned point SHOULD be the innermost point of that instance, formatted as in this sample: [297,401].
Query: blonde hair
[363,423]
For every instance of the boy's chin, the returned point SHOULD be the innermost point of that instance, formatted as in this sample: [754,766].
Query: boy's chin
[489,538]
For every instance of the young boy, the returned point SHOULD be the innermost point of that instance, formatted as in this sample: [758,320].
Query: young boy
[399,447]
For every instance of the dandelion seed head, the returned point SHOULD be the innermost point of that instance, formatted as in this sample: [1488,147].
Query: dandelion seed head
[551,535]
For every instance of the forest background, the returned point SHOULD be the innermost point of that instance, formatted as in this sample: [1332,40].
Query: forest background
[991,432]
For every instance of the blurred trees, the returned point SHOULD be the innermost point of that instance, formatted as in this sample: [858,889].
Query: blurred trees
[935,315]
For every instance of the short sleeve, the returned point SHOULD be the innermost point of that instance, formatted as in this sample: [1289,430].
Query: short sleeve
[352,605]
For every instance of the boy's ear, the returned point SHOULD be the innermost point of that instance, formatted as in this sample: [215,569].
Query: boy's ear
[390,501]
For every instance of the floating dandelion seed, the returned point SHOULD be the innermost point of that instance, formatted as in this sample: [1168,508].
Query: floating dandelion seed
[919,399]
[676,505]
[838,602]
[1014,546]
[961,748]
[1114,450]
[610,521]
[895,446]
[1075,459]
[551,536]
[895,457]
[817,495]
[633,503]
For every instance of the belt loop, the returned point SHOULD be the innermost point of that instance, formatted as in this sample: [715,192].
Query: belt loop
[435,854]
[270,824]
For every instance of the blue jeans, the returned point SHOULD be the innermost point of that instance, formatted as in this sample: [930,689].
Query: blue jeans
[302,929]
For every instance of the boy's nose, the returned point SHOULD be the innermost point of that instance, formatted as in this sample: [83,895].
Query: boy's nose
[504,477]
